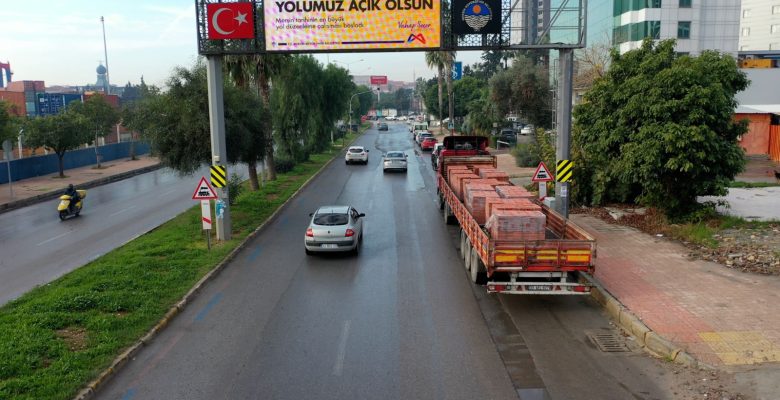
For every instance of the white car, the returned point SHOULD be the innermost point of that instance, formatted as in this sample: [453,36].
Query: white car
[356,154]
[334,228]
[527,130]
[394,160]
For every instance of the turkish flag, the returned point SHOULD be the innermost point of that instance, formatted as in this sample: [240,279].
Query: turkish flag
[231,20]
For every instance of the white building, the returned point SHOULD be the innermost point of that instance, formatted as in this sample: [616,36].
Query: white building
[696,24]
[529,19]
[759,25]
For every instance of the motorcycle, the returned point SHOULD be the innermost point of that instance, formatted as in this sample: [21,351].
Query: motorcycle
[64,208]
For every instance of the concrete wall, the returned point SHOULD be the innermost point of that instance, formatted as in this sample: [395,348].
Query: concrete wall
[756,141]
[48,164]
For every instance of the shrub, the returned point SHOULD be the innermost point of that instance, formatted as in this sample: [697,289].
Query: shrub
[283,165]
[525,155]
[235,187]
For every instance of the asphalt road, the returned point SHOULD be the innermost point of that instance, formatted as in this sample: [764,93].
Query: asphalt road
[36,247]
[398,321]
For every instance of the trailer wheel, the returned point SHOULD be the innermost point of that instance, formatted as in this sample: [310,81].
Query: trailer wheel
[462,241]
[442,203]
[467,256]
[448,217]
[478,272]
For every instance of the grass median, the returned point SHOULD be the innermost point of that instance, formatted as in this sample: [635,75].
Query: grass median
[58,337]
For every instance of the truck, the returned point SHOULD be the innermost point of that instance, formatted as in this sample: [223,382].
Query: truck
[552,265]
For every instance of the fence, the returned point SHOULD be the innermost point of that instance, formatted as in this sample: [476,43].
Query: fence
[30,167]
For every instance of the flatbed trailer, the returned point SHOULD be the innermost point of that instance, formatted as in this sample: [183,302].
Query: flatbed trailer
[533,267]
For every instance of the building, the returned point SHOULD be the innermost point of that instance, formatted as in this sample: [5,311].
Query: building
[759,26]
[760,105]
[528,20]
[696,24]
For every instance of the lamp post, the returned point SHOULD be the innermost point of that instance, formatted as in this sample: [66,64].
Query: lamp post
[350,112]
[347,64]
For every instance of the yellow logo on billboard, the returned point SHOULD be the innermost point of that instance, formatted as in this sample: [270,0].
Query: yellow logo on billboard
[310,25]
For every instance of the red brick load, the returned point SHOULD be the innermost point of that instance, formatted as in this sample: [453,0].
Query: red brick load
[509,204]
[500,175]
[475,203]
[456,178]
[516,225]
[513,192]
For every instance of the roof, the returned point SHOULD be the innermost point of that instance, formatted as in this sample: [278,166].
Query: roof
[762,96]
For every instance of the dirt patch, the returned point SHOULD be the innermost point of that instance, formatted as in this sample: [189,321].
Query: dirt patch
[272,197]
[695,384]
[74,337]
[752,250]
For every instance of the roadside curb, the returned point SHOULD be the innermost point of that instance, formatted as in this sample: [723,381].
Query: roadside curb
[86,185]
[645,337]
[92,388]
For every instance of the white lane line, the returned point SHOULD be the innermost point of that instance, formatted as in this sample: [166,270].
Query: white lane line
[169,192]
[122,210]
[54,238]
[339,365]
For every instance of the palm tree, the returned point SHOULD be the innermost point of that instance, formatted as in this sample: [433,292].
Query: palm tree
[434,60]
[449,59]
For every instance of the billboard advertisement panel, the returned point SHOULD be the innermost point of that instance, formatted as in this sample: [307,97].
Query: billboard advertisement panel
[311,25]
[378,79]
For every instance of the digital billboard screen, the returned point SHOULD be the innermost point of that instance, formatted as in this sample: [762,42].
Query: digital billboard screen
[311,25]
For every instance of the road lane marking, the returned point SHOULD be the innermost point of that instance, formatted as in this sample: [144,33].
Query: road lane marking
[338,367]
[214,300]
[121,211]
[54,238]
[129,394]
[169,192]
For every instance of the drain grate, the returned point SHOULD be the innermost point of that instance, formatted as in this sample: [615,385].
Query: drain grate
[608,342]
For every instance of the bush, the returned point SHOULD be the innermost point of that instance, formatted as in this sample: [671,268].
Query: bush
[235,187]
[525,156]
[283,165]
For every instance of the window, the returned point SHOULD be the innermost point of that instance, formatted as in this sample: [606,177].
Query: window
[684,30]
[745,13]
[775,28]
[745,31]
[774,46]
[685,3]
[775,9]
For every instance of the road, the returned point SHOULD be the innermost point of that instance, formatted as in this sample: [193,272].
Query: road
[37,247]
[398,321]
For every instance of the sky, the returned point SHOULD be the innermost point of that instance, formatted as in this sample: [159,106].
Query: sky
[61,43]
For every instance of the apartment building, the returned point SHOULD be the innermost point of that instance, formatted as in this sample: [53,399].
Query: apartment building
[759,25]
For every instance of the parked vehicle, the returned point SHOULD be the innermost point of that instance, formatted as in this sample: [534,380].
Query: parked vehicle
[527,130]
[66,210]
[421,136]
[551,263]
[356,154]
[427,143]
[435,155]
[394,161]
[382,126]
[508,136]
[334,229]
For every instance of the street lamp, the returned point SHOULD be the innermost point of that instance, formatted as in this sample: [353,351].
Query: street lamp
[347,64]
[350,112]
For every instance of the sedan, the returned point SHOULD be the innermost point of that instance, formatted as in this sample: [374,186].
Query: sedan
[382,126]
[334,229]
[428,143]
[356,154]
[394,160]
[420,137]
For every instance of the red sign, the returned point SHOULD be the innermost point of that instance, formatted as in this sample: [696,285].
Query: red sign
[542,174]
[378,80]
[231,20]
[204,191]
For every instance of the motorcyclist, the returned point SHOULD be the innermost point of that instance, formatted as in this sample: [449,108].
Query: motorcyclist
[74,196]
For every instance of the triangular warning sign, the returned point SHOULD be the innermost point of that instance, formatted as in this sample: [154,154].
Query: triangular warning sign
[542,174]
[204,191]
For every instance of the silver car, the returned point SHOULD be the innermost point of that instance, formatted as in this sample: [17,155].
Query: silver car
[394,160]
[334,229]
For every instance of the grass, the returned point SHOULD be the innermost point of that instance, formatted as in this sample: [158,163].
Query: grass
[748,185]
[703,233]
[58,337]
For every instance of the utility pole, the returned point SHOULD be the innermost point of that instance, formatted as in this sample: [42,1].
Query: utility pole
[105,54]
[562,152]
[218,145]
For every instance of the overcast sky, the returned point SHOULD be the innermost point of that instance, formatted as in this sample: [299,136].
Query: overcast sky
[61,42]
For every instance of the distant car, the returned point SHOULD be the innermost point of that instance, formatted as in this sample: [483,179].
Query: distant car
[402,118]
[421,136]
[428,143]
[334,229]
[527,130]
[508,136]
[356,154]
[435,155]
[394,160]
[382,126]
[390,118]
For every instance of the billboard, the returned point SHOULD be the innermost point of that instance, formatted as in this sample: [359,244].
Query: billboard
[476,16]
[311,25]
[378,80]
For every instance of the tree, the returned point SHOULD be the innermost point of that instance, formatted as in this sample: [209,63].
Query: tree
[59,133]
[658,129]
[101,116]
[267,67]
[524,88]
[8,123]
[240,68]
[592,64]
[448,57]
[434,59]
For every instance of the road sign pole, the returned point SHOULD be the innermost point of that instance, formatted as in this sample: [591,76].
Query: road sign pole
[218,146]
[566,63]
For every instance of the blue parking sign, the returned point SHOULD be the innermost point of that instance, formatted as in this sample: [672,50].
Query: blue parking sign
[457,70]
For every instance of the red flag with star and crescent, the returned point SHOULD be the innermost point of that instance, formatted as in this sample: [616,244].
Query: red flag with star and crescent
[230,20]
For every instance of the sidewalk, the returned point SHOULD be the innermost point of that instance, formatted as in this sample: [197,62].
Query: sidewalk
[719,316]
[41,188]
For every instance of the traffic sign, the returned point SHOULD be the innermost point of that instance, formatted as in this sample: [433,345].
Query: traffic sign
[205,214]
[542,174]
[457,70]
[564,170]
[204,191]
[218,176]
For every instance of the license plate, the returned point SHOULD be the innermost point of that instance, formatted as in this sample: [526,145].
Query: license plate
[539,288]
[329,246]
